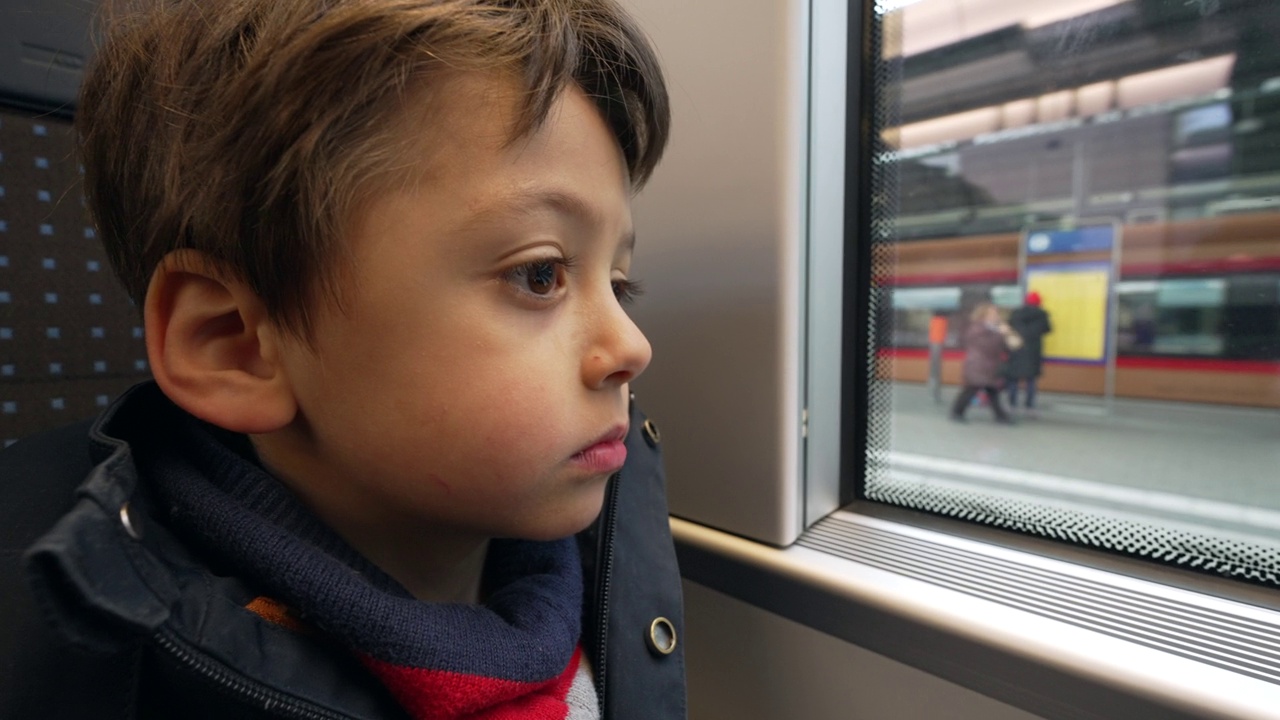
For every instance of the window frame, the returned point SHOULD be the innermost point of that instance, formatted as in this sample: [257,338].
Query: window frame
[836,596]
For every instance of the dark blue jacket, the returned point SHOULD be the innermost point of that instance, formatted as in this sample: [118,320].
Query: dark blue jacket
[130,624]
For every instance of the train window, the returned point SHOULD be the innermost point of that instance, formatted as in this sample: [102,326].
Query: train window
[1006,296]
[914,308]
[1077,210]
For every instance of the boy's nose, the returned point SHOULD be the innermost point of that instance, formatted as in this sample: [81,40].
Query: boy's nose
[620,351]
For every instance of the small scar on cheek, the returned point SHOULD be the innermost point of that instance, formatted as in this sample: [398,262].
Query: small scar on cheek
[440,483]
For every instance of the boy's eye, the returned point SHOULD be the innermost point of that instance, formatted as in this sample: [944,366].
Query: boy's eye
[540,278]
[627,290]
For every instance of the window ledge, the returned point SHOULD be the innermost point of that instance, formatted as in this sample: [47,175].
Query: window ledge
[1055,638]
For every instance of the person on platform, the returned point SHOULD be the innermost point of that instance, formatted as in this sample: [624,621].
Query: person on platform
[937,340]
[985,341]
[1024,366]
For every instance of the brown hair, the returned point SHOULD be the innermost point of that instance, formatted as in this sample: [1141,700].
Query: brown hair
[250,130]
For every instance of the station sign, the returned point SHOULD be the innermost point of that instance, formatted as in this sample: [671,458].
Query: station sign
[1072,272]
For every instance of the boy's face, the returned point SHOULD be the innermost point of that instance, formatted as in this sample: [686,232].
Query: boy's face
[481,348]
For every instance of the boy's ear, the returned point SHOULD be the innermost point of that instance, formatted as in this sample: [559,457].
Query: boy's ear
[212,348]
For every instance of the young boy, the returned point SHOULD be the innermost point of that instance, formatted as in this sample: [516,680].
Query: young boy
[388,467]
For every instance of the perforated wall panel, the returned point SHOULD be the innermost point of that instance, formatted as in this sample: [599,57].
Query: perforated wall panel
[70,340]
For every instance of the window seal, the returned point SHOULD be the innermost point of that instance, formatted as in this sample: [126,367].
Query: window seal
[1046,666]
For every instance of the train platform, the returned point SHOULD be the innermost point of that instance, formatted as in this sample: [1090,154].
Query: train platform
[1208,466]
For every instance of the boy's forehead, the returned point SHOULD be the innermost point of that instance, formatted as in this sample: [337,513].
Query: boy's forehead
[475,101]
[456,139]
[454,113]
[464,122]
[533,199]
[467,110]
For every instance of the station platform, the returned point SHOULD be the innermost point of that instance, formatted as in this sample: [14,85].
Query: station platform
[1208,466]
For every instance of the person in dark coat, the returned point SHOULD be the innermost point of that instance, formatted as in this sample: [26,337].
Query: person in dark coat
[985,341]
[1031,322]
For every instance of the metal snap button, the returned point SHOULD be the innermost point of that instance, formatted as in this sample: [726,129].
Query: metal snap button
[651,434]
[130,525]
[662,636]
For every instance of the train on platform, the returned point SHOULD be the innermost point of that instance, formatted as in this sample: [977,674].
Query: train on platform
[1180,159]
[1196,309]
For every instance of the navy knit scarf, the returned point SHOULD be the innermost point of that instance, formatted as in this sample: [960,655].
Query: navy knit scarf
[512,657]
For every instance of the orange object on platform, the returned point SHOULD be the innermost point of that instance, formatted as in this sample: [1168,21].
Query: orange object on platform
[937,330]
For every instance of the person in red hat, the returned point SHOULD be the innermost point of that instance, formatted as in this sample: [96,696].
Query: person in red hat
[1024,366]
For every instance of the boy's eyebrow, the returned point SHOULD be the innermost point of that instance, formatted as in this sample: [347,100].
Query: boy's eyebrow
[527,201]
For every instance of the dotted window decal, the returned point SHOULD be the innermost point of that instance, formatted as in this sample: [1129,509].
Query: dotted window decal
[44,196]
[7,370]
[5,297]
[95,298]
[42,163]
[93,266]
[49,264]
[89,233]
[97,333]
[46,229]
[55,368]
[6,333]
[58,403]
[51,298]
[9,407]
[99,366]
[53,333]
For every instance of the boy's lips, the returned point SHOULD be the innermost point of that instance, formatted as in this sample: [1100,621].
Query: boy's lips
[606,454]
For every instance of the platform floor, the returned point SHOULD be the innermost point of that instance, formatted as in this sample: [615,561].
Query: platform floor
[1217,466]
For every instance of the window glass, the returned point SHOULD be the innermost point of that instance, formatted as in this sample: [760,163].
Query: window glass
[1076,293]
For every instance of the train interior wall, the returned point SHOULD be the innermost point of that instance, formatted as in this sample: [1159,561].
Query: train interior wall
[702,249]
[748,663]
[711,224]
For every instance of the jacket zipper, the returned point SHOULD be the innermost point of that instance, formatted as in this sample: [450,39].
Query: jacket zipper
[257,693]
[604,573]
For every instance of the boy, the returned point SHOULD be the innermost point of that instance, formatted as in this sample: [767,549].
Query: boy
[382,250]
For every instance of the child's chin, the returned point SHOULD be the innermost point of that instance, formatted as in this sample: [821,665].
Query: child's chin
[571,522]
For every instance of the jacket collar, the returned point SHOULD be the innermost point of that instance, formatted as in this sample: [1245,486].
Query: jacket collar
[109,576]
